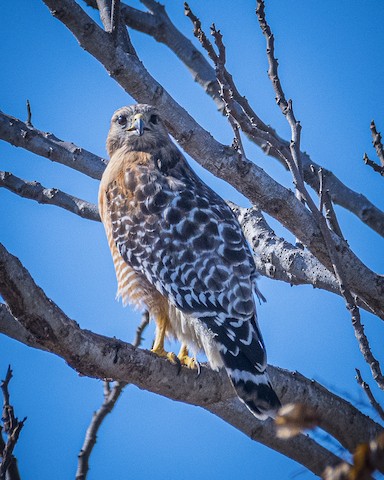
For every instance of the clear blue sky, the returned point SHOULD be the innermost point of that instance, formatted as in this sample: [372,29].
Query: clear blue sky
[332,66]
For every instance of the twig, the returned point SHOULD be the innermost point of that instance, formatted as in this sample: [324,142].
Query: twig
[140,329]
[225,91]
[367,389]
[362,339]
[29,115]
[111,395]
[12,427]
[330,215]
[326,203]
[377,143]
[50,196]
[115,18]
[294,166]
[377,168]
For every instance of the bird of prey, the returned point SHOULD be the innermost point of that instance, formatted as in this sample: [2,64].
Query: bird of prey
[180,253]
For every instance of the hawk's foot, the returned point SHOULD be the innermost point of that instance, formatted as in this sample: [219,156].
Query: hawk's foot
[186,360]
[168,355]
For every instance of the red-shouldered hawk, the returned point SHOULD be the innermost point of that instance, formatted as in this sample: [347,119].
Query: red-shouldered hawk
[179,252]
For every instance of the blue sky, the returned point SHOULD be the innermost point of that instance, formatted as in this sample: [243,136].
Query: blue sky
[331,65]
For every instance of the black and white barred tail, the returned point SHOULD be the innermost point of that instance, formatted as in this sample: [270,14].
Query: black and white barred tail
[252,386]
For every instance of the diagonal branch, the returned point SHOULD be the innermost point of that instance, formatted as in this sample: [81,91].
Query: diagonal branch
[51,196]
[45,144]
[97,356]
[372,400]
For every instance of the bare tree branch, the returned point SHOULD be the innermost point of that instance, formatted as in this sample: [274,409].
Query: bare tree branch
[10,327]
[326,202]
[361,337]
[364,385]
[12,427]
[110,398]
[45,144]
[278,259]
[29,113]
[377,168]
[159,26]
[51,196]
[97,356]
[377,143]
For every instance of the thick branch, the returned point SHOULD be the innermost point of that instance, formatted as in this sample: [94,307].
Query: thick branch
[159,26]
[97,356]
[278,259]
[10,327]
[51,196]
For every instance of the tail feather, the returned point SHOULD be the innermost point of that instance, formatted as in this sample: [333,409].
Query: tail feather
[252,386]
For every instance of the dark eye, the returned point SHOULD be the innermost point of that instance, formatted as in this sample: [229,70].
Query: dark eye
[122,120]
[154,119]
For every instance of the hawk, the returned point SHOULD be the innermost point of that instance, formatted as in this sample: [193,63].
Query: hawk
[180,253]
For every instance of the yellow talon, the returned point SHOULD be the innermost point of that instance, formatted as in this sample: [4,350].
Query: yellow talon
[164,354]
[185,359]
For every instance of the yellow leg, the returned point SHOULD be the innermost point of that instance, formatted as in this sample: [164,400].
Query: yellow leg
[185,359]
[158,345]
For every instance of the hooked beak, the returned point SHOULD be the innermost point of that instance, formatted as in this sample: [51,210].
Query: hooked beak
[138,124]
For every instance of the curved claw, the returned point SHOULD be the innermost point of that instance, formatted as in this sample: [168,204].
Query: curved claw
[198,368]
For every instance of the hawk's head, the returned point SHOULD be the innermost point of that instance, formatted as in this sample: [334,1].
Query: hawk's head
[137,127]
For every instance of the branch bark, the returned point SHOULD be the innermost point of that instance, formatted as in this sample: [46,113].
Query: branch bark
[51,196]
[101,357]
[46,145]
